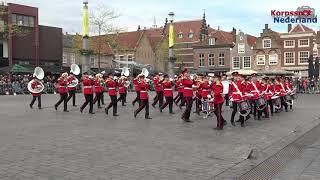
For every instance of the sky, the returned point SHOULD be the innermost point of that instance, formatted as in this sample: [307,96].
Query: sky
[248,16]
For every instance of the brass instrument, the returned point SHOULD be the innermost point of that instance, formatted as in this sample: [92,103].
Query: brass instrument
[74,69]
[39,74]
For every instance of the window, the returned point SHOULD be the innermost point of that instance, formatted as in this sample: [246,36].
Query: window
[212,41]
[303,57]
[25,21]
[241,48]
[273,59]
[236,63]
[190,34]
[201,60]
[221,59]
[92,62]
[130,57]
[121,57]
[72,58]
[19,20]
[289,44]
[303,43]
[267,43]
[180,35]
[288,58]
[211,59]
[14,18]
[65,59]
[261,60]
[247,62]
[31,21]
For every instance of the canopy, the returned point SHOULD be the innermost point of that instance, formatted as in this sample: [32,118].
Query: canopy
[243,72]
[124,62]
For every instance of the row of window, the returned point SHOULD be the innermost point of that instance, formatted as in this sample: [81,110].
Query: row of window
[128,57]
[301,43]
[72,58]
[289,57]
[211,60]
[273,59]
[190,35]
[236,62]
[22,20]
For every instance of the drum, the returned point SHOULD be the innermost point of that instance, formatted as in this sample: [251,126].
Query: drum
[244,108]
[276,102]
[261,104]
[288,99]
[205,105]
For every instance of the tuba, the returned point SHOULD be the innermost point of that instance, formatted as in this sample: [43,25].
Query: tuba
[39,74]
[125,71]
[74,69]
[145,72]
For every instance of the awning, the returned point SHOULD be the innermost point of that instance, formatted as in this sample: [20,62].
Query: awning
[124,62]
[17,68]
[296,68]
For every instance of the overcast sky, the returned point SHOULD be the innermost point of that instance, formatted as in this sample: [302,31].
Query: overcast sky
[247,15]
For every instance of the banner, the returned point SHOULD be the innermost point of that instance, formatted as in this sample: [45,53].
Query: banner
[171,36]
[85,22]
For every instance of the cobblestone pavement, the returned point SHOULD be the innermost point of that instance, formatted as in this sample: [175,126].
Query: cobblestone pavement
[45,144]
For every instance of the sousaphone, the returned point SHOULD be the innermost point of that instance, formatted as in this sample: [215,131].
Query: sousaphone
[74,69]
[39,74]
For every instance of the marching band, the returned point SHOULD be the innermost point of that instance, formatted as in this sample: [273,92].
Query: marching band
[245,94]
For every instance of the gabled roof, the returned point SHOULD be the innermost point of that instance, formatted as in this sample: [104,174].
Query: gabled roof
[222,37]
[105,47]
[186,27]
[127,40]
[154,36]
[251,40]
[301,28]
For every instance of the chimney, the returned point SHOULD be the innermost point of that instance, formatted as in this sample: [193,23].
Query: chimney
[266,26]
[234,31]
[289,27]
[218,28]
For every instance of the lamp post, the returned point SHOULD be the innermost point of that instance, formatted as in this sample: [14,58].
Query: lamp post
[85,38]
[171,45]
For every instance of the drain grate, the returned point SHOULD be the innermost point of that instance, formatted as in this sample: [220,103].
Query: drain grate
[273,165]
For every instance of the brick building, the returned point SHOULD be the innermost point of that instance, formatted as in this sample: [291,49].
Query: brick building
[33,44]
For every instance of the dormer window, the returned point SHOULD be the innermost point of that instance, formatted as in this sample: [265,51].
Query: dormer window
[190,34]
[212,41]
[180,35]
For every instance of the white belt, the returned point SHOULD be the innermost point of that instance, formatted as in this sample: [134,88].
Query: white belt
[235,93]
[168,89]
[87,86]
[143,91]
[205,90]
[112,88]
[188,88]
[254,91]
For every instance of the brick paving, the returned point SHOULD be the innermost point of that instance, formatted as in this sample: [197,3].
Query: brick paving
[49,145]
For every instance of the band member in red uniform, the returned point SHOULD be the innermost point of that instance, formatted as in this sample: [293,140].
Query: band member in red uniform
[71,90]
[198,97]
[159,90]
[63,91]
[88,83]
[217,88]
[35,84]
[188,95]
[179,86]
[205,88]
[122,90]
[253,88]
[144,98]
[269,93]
[266,93]
[289,88]
[280,89]
[137,90]
[99,88]
[112,85]
[168,94]
[236,92]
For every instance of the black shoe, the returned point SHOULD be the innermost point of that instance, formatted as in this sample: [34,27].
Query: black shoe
[188,121]
[81,110]
[91,113]
[99,107]
[233,124]
[39,107]
[287,110]
[65,111]
[247,118]
[115,115]
[148,117]
[135,114]
[123,105]
[160,110]
[153,105]
[74,105]
[225,122]
[106,110]
[30,106]
[132,103]
[171,113]
[242,125]
[219,129]
[55,107]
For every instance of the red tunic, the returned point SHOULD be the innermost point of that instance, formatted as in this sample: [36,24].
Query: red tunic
[143,86]
[268,89]
[70,79]
[167,89]
[112,87]
[179,86]
[217,93]
[62,86]
[280,89]
[35,84]
[97,86]
[122,89]
[234,93]
[157,85]
[187,88]
[87,86]
[206,90]
[254,89]
[136,85]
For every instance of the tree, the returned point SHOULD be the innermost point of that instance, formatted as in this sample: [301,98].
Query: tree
[101,22]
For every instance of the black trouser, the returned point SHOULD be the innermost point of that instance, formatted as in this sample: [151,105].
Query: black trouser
[122,98]
[270,102]
[98,98]
[34,99]
[169,100]
[183,101]
[178,97]
[217,112]
[226,97]
[284,103]
[159,97]
[198,104]
[113,104]
[144,103]
[102,98]
[72,94]
[253,107]
[89,100]
[186,113]
[63,97]
[137,99]
[125,97]
[234,111]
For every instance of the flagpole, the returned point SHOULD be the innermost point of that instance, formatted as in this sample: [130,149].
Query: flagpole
[171,45]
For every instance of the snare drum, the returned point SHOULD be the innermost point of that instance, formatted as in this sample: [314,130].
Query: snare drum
[261,103]
[244,108]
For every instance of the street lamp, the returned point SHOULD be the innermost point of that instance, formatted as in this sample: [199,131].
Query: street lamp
[171,45]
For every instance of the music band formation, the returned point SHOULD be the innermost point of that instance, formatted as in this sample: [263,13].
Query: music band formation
[246,94]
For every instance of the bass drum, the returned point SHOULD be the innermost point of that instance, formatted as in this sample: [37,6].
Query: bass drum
[276,102]
[244,108]
[261,104]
